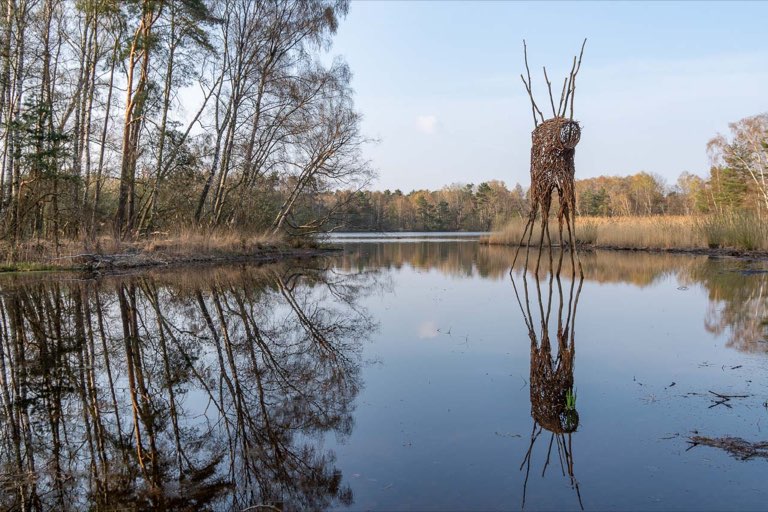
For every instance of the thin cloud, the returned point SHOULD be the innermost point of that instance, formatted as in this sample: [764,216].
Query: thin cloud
[427,124]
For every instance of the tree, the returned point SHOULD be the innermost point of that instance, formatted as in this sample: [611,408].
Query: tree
[745,152]
[137,89]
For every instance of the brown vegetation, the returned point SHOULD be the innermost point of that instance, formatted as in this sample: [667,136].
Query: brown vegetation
[739,231]
[191,246]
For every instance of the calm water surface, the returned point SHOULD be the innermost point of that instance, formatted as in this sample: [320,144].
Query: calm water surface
[399,375]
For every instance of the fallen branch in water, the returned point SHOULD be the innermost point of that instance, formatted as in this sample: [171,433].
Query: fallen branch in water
[735,446]
[724,399]
[728,397]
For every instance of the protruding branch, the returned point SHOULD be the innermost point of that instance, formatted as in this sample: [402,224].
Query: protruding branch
[571,89]
[561,107]
[529,87]
[578,66]
[570,85]
[549,87]
[534,107]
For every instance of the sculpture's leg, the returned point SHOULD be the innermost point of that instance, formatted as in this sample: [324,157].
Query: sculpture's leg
[544,222]
[560,214]
[529,224]
[528,242]
[575,250]
[562,247]
[549,243]
[572,242]
[572,220]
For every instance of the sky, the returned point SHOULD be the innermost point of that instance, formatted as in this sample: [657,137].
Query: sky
[438,84]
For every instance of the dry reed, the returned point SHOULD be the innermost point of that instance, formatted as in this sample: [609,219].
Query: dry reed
[740,231]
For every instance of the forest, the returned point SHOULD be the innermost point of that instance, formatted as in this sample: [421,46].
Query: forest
[127,118]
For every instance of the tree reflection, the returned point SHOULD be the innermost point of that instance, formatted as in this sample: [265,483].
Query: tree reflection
[552,393]
[738,304]
[470,259]
[206,391]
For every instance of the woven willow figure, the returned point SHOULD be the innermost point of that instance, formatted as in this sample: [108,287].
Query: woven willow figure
[553,144]
[553,399]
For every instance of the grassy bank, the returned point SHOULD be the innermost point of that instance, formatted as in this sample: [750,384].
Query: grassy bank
[163,249]
[738,231]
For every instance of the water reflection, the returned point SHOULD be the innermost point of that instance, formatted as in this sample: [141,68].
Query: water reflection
[201,390]
[738,291]
[552,391]
[462,259]
[738,304]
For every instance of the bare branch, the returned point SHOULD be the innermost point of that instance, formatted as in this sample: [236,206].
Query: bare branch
[581,54]
[562,97]
[578,66]
[570,85]
[534,108]
[529,87]
[549,87]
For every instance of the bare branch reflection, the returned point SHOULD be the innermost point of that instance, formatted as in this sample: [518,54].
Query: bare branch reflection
[210,390]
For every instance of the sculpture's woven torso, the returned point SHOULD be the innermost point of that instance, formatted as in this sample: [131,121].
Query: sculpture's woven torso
[552,165]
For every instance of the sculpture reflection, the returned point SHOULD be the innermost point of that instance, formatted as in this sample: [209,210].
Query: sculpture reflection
[205,391]
[552,392]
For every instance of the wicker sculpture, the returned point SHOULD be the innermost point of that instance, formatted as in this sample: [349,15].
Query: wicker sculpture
[552,166]
[553,400]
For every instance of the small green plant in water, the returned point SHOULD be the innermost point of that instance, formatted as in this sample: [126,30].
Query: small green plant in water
[570,400]
[570,418]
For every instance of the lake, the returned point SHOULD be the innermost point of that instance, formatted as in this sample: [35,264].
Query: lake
[404,373]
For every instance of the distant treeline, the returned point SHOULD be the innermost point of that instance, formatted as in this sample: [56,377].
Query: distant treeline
[738,181]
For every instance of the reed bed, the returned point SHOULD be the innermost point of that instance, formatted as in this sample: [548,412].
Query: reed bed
[739,231]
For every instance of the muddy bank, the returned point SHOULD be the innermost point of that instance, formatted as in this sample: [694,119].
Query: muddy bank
[110,263]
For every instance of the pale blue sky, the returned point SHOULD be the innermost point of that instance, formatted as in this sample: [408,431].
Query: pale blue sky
[439,86]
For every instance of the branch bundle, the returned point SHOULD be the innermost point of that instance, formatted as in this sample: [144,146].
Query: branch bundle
[566,96]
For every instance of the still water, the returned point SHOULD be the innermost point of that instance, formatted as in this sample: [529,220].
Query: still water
[397,375]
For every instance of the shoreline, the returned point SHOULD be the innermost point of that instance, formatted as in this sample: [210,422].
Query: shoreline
[104,264]
[716,252]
